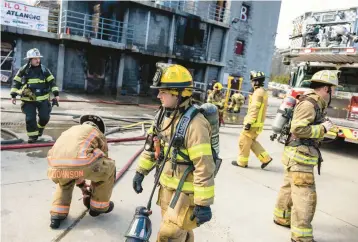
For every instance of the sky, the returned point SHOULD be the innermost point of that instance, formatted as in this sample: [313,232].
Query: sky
[290,9]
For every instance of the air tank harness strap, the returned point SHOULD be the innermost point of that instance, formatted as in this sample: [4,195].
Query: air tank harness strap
[179,143]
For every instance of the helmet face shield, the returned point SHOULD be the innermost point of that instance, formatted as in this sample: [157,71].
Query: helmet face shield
[173,77]
[157,77]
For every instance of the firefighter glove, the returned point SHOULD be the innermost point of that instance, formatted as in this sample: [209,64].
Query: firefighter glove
[54,102]
[202,214]
[137,182]
[247,126]
[327,125]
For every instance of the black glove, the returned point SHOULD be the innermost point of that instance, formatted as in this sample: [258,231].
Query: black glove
[137,182]
[202,213]
[247,126]
[54,102]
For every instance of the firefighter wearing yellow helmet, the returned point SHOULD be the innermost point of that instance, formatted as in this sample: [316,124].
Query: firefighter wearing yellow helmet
[296,203]
[253,124]
[217,98]
[188,172]
[237,100]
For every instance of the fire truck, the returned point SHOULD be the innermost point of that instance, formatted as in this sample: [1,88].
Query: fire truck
[327,40]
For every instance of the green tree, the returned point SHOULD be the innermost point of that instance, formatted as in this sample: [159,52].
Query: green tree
[282,79]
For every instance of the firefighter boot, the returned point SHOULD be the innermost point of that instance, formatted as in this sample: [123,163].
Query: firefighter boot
[41,131]
[56,222]
[263,165]
[234,163]
[96,213]
[32,139]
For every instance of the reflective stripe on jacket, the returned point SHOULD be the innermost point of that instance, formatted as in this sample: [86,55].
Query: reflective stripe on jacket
[37,79]
[198,148]
[256,112]
[80,145]
[303,127]
[216,98]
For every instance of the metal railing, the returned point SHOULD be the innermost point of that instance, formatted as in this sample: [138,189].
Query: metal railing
[93,26]
[52,22]
[218,13]
[188,6]
[200,85]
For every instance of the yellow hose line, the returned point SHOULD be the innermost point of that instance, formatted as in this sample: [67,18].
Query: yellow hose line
[136,124]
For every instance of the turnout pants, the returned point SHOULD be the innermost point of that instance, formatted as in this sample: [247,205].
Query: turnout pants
[247,142]
[102,175]
[176,225]
[33,127]
[296,204]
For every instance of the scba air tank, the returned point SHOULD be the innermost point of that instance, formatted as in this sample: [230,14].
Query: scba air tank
[211,113]
[283,113]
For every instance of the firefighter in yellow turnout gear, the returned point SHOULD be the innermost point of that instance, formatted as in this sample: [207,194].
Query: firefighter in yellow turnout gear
[237,100]
[80,153]
[34,83]
[296,203]
[218,99]
[191,161]
[253,124]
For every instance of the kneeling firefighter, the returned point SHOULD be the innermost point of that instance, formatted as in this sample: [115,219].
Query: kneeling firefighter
[253,124]
[237,100]
[34,83]
[179,145]
[297,199]
[80,153]
[218,99]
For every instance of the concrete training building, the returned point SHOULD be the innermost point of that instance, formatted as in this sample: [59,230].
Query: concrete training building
[111,47]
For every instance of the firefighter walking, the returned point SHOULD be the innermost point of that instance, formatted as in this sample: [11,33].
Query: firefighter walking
[296,203]
[237,100]
[217,98]
[34,83]
[187,181]
[80,153]
[253,124]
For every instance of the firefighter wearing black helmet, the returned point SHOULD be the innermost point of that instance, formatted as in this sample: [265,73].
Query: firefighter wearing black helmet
[253,124]
[80,153]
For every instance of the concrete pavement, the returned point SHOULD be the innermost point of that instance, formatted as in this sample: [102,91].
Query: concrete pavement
[243,207]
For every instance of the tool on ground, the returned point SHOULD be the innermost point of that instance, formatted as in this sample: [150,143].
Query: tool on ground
[140,228]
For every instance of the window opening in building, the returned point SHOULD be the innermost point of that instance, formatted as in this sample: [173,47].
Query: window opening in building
[189,32]
[220,10]
[239,48]
[7,53]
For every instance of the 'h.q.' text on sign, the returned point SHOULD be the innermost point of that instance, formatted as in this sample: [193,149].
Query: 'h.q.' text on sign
[24,16]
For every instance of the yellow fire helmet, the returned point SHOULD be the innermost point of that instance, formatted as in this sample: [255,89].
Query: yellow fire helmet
[329,77]
[257,75]
[218,86]
[173,78]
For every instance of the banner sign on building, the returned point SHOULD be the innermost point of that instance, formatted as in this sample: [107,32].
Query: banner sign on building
[24,16]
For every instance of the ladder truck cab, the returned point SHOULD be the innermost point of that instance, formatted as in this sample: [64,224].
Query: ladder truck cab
[327,40]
